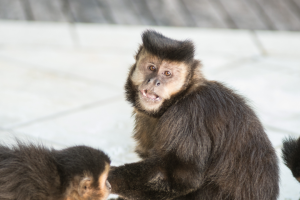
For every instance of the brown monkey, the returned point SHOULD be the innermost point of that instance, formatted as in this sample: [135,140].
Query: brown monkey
[33,172]
[291,155]
[198,139]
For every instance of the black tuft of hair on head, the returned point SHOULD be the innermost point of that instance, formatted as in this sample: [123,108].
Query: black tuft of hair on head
[167,48]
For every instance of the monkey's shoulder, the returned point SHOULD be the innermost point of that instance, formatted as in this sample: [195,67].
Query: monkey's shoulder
[218,91]
[211,95]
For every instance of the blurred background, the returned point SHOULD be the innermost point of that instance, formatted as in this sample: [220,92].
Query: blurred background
[233,14]
[63,64]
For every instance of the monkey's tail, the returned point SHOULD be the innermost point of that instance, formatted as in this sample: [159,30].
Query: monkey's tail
[291,155]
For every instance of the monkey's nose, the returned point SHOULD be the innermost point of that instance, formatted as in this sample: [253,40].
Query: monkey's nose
[157,83]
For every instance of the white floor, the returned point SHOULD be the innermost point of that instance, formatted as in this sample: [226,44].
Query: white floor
[63,85]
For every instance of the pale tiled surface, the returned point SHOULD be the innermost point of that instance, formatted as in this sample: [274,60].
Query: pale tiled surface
[63,85]
[39,34]
[92,66]
[28,93]
[285,44]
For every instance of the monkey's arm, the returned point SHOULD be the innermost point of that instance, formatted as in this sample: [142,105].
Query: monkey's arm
[150,179]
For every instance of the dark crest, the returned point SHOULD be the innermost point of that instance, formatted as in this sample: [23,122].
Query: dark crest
[167,48]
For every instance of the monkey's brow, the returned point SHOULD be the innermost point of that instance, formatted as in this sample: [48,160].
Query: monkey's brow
[171,67]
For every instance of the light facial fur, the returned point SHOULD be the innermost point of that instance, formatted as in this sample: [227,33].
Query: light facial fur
[143,78]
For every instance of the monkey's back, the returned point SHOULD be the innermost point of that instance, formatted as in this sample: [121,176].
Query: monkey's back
[243,164]
[28,172]
[218,134]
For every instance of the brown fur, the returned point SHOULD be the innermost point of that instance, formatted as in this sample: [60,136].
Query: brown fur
[291,155]
[143,133]
[204,142]
[30,172]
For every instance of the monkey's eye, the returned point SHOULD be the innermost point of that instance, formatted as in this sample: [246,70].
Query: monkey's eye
[152,68]
[167,73]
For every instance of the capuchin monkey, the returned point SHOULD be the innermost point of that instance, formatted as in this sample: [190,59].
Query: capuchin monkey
[33,172]
[197,138]
[291,156]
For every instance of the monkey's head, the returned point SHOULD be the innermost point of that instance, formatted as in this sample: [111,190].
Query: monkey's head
[162,73]
[84,172]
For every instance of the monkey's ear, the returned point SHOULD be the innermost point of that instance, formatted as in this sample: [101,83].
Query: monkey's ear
[85,187]
[136,57]
[103,184]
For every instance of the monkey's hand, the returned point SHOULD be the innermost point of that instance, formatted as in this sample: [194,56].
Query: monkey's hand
[149,180]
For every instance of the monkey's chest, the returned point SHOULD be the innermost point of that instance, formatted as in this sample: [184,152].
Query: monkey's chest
[145,144]
[144,134]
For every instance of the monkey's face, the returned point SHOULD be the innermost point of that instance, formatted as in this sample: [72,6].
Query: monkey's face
[157,80]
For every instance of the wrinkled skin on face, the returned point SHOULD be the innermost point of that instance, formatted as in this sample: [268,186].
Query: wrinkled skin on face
[157,80]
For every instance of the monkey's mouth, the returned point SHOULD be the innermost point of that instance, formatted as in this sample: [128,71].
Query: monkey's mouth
[149,95]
